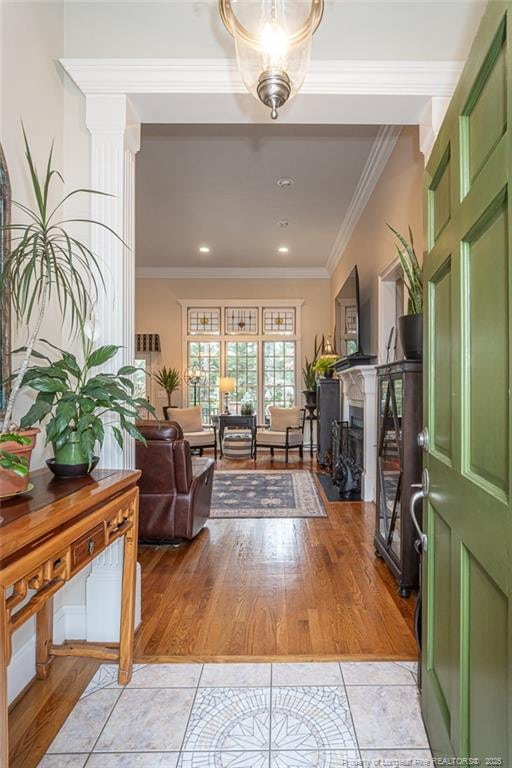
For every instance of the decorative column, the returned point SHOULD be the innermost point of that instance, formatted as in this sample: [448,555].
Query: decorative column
[115,140]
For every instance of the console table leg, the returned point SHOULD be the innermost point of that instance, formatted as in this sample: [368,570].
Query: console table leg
[44,639]
[4,721]
[128,606]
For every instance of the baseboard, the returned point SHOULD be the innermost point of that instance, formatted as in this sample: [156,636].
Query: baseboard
[69,621]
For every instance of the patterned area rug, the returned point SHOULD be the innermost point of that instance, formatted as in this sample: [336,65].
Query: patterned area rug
[256,493]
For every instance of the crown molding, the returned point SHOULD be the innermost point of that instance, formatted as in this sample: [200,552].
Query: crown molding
[288,273]
[336,77]
[379,155]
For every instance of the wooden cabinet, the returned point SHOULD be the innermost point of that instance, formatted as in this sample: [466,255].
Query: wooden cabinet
[328,411]
[398,467]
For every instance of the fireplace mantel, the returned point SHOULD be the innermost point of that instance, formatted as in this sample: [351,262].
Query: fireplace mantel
[359,385]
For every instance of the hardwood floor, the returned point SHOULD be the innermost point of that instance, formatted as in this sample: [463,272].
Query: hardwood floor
[42,710]
[246,590]
[261,588]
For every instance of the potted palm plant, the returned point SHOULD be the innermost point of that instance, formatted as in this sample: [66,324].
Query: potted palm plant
[309,374]
[169,379]
[79,402]
[410,326]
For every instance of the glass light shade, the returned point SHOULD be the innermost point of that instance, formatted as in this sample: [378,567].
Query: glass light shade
[273,44]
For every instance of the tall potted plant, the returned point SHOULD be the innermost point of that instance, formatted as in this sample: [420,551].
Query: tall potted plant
[410,326]
[170,380]
[309,374]
[46,266]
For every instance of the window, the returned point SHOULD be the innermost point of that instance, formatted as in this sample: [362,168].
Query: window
[242,366]
[279,373]
[206,356]
[256,343]
[140,379]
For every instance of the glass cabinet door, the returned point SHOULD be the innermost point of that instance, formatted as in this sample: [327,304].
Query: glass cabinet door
[389,462]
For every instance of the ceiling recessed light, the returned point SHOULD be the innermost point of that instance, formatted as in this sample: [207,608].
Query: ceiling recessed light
[283,223]
[285,182]
[204,249]
[283,249]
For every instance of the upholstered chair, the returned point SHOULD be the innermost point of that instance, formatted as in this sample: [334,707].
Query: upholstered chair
[175,488]
[285,431]
[191,422]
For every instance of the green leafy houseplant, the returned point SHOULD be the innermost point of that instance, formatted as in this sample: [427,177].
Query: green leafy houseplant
[75,397]
[410,326]
[170,380]
[47,265]
[308,371]
[324,363]
[413,273]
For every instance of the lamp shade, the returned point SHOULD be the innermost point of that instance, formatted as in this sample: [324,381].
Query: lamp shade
[227,384]
[273,43]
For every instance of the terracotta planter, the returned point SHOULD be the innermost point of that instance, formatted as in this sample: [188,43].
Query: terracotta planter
[11,483]
[25,450]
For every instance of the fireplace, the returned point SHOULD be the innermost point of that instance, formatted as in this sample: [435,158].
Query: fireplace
[348,454]
[359,413]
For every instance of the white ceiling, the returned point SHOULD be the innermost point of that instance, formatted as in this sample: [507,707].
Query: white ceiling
[216,185]
[403,30]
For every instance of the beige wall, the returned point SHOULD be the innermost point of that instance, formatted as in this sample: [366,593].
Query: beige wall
[157,309]
[32,92]
[396,200]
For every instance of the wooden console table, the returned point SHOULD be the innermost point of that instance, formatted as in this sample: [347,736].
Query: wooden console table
[46,537]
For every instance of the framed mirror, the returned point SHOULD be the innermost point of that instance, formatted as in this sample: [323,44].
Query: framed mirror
[5,302]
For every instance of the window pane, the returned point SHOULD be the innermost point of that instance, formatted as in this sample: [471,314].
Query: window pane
[205,355]
[140,379]
[241,365]
[279,373]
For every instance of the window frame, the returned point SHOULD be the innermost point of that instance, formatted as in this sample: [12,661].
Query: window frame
[224,337]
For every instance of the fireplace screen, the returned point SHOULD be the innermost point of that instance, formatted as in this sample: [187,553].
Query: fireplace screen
[347,454]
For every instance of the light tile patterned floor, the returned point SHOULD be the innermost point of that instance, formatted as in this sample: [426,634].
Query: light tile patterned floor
[321,715]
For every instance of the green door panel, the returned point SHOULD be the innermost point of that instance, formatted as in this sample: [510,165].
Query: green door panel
[467,569]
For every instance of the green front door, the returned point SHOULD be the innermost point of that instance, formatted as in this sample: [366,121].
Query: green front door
[467,569]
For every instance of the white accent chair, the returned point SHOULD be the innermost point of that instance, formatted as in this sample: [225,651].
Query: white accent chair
[285,431]
[191,422]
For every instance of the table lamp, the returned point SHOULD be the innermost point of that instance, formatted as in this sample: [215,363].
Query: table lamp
[226,386]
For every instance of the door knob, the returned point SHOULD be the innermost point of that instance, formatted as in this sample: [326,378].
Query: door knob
[420,493]
[422,439]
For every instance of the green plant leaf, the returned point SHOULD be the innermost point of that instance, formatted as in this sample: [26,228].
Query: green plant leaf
[101,355]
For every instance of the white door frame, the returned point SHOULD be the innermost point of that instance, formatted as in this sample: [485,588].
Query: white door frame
[120,94]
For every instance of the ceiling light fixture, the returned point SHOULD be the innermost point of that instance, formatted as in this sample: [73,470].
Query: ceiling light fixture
[273,44]
[204,249]
[285,182]
[283,249]
[283,223]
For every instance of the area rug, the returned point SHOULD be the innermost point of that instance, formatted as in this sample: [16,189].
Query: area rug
[256,493]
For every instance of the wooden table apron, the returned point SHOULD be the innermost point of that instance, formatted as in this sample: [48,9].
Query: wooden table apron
[41,549]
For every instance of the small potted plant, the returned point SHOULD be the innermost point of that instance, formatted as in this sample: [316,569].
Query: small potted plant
[169,379]
[410,326]
[309,375]
[46,267]
[79,401]
[15,453]
[247,405]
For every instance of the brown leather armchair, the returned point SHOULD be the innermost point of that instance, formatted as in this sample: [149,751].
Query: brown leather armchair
[175,489]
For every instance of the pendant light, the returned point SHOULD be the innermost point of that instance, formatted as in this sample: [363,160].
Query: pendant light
[273,43]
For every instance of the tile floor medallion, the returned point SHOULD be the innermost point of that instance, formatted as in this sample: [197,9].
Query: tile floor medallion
[318,715]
